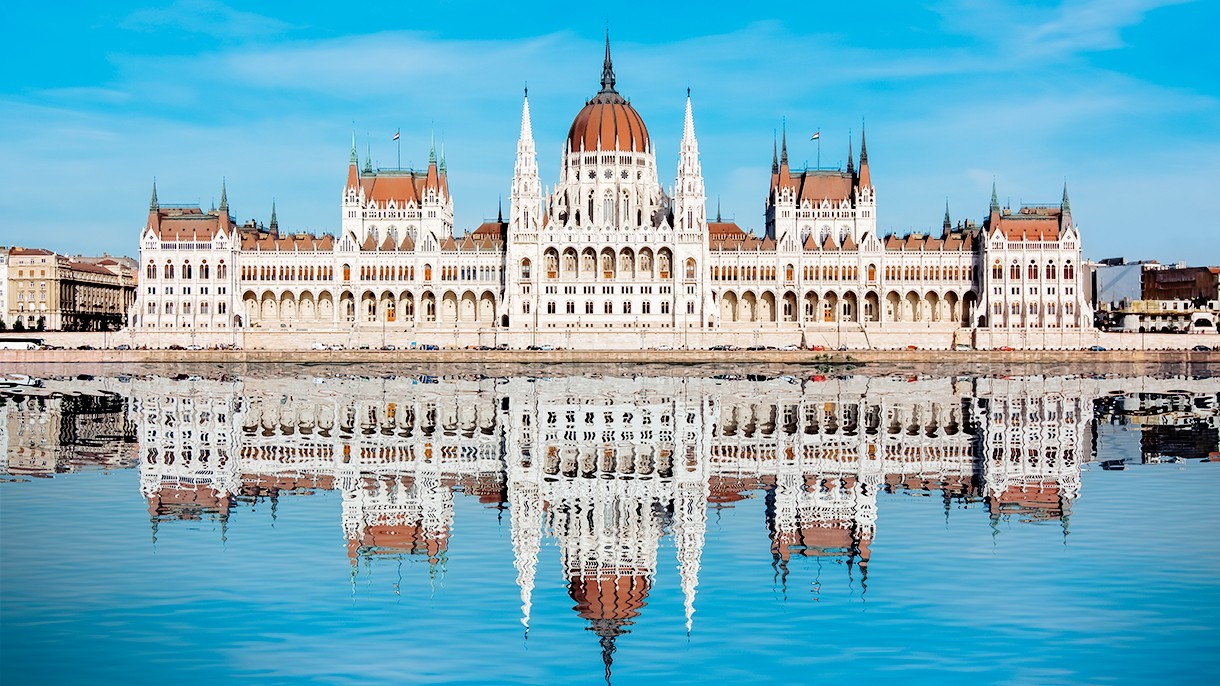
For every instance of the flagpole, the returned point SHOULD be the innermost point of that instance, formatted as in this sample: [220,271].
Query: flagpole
[398,137]
[819,150]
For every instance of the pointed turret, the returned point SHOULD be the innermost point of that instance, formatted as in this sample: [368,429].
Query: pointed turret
[224,196]
[608,69]
[689,199]
[525,198]
[866,179]
[947,223]
[1065,205]
[783,155]
[368,157]
[851,165]
[774,156]
[353,166]
[433,180]
[275,224]
[995,199]
[153,205]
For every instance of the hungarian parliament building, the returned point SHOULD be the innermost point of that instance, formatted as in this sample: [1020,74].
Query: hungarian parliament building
[607,258]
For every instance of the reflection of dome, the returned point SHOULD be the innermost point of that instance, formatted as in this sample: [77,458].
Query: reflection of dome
[608,121]
[609,597]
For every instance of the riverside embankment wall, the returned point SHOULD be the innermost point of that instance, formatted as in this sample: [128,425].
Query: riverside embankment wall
[13,360]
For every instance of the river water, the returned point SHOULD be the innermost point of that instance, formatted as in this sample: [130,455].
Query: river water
[682,525]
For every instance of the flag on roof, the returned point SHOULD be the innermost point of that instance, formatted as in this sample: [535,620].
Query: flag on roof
[395,135]
[816,135]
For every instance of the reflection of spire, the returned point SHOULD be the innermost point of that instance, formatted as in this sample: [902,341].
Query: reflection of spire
[526,523]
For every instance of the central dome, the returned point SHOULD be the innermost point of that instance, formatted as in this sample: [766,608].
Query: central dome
[608,121]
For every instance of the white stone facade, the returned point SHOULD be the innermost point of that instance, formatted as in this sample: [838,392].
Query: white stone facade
[608,258]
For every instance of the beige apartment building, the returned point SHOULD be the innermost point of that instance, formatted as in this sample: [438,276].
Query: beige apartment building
[52,292]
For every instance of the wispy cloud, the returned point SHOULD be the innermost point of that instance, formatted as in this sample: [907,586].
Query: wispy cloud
[205,17]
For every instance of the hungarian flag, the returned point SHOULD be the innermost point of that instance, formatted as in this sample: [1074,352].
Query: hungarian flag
[395,136]
[816,135]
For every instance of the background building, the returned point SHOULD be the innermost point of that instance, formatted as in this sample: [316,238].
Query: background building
[1198,284]
[53,292]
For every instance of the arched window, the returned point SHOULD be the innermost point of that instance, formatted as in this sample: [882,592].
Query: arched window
[997,270]
[1014,272]
[169,270]
[872,272]
[1050,270]
[152,270]
[789,273]
[427,272]
[690,269]
[347,272]
[1069,272]
[1032,271]
[204,271]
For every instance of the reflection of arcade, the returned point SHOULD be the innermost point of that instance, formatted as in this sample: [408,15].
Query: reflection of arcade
[608,466]
[43,432]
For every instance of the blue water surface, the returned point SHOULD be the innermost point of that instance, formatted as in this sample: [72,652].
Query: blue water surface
[1121,587]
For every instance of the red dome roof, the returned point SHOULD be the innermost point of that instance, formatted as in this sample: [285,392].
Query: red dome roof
[608,126]
[608,121]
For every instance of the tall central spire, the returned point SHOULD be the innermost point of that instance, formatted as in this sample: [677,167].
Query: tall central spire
[608,69]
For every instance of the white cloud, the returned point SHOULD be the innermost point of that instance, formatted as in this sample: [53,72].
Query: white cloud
[206,17]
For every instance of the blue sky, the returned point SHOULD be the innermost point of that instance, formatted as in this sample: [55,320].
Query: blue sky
[1120,97]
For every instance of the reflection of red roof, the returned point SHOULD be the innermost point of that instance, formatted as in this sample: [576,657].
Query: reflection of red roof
[187,501]
[618,597]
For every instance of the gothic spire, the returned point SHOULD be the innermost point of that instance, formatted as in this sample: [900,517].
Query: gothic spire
[224,196]
[432,151]
[527,128]
[717,209]
[947,223]
[152,205]
[851,165]
[1065,206]
[688,125]
[783,155]
[354,159]
[866,179]
[275,224]
[500,210]
[995,200]
[368,157]
[608,69]
[442,163]
[774,155]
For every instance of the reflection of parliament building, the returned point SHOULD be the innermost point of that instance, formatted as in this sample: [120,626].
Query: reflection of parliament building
[609,466]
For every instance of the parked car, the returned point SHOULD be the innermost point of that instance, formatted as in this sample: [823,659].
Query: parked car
[389,346]
[1006,348]
[1097,348]
[789,347]
[122,346]
[817,347]
[318,346]
[962,346]
[429,346]
[1201,348]
[194,346]
[546,346]
[719,347]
